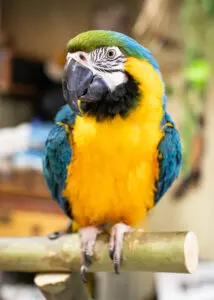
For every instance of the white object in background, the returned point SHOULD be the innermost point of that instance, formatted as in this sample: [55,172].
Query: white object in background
[196,286]
[27,161]
[20,292]
[14,139]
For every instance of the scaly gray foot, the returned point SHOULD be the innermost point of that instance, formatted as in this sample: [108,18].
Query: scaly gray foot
[88,236]
[116,243]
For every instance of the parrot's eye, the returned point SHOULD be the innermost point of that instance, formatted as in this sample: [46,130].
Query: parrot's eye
[111,53]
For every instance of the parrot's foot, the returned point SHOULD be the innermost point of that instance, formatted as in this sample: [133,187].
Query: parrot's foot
[88,236]
[116,243]
[56,235]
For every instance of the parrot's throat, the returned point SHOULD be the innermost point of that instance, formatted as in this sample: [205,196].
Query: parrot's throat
[119,102]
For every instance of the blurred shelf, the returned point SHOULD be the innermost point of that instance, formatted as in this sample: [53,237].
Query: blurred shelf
[27,183]
[26,207]
[15,190]
[20,75]
[17,89]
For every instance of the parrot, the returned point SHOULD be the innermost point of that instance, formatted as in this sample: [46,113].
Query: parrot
[114,150]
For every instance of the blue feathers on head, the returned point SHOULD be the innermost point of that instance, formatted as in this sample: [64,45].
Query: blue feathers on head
[66,115]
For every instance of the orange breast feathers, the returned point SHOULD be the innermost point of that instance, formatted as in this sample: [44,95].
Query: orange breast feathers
[112,175]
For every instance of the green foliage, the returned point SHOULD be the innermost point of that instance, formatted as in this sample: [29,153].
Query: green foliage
[198,73]
[208,6]
[198,28]
[187,131]
[169,90]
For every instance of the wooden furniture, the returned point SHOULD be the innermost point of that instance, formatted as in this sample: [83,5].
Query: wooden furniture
[26,207]
[19,75]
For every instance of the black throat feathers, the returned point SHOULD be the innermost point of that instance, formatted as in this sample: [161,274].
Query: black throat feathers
[119,102]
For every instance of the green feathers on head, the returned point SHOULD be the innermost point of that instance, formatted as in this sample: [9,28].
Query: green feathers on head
[90,40]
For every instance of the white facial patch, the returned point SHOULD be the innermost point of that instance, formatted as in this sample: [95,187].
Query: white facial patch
[106,62]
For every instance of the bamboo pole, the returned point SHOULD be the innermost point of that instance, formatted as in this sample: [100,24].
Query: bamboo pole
[158,252]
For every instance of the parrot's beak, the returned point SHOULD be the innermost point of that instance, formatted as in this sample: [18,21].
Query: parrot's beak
[79,82]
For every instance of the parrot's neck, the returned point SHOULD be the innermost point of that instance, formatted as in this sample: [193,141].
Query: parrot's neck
[120,102]
[144,82]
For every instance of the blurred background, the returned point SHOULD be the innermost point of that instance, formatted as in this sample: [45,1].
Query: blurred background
[33,38]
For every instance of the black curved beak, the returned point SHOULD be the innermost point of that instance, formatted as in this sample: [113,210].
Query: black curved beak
[75,82]
[79,82]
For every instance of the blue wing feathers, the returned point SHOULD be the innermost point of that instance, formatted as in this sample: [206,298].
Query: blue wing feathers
[170,160]
[57,156]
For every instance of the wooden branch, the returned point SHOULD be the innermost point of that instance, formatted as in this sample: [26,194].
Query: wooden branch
[158,15]
[62,286]
[158,252]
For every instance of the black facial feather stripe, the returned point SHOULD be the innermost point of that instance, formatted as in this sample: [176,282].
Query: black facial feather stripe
[93,55]
[119,102]
[119,61]
[122,57]
[108,70]
[100,53]
[99,56]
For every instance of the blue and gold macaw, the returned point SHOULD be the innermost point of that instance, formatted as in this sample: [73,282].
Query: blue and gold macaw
[114,150]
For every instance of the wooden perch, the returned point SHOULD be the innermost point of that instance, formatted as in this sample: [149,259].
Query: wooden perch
[158,252]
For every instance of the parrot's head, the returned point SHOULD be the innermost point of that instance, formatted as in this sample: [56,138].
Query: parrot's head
[106,74]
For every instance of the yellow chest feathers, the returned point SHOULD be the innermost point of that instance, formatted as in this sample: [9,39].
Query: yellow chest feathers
[112,175]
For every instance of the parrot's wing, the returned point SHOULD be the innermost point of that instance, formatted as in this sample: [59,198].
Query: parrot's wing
[57,156]
[170,158]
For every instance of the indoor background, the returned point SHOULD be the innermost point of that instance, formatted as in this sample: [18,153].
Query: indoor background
[33,37]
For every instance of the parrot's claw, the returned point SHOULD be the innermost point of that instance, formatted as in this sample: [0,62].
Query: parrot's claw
[88,259]
[117,268]
[111,253]
[56,235]
[88,236]
[116,243]
[83,273]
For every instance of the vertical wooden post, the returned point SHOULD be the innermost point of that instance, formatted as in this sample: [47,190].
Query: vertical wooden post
[62,286]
